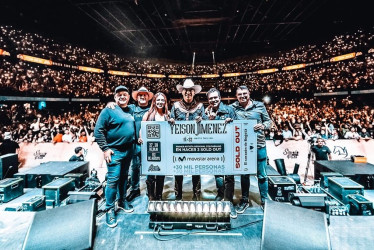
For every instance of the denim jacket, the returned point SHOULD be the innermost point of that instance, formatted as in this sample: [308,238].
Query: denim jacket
[256,111]
[224,112]
[180,113]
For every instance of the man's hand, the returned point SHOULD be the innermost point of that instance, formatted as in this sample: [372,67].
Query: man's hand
[228,120]
[111,105]
[198,119]
[140,141]
[212,115]
[259,126]
[171,121]
[108,155]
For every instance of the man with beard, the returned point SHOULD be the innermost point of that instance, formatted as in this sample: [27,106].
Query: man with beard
[115,135]
[245,109]
[187,109]
[219,111]
[142,96]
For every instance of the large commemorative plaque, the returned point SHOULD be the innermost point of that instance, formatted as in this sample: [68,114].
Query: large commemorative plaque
[205,148]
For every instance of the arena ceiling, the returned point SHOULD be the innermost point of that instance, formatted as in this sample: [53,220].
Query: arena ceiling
[175,29]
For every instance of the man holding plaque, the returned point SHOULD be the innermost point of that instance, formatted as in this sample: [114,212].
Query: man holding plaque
[219,111]
[246,109]
[186,110]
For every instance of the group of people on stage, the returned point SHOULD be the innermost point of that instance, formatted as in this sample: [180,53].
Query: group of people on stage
[117,133]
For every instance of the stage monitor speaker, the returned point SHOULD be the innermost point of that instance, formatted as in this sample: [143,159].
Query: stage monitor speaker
[289,227]
[69,227]
[8,165]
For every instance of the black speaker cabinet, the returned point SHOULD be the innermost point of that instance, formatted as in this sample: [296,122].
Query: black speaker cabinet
[8,165]
[46,172]
[289,227]
[68,227]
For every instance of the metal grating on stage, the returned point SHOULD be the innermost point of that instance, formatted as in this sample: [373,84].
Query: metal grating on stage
[133,232]
[351,232]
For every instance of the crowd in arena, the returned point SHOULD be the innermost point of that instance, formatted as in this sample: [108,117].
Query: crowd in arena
[28,124]
[298,118]
[33,79]
[292,120]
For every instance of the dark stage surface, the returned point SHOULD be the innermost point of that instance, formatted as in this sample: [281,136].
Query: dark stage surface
[132,232]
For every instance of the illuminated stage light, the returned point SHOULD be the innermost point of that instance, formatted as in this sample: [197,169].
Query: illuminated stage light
[185,207]
[266,71]
[165,207]
[210,76]
[213,208]
[206,207]
[219,207]
[172,207]
[179,207]
[199,207]
[343,57]
[227,208]
[192,207]
[151,206]
[190,215]
[158,207]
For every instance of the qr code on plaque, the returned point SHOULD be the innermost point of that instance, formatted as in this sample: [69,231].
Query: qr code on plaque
[153,131]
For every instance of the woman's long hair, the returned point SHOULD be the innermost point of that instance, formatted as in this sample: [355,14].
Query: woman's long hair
[153,109]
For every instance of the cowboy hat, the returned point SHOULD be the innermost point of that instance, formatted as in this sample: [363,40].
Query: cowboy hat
[188,84]
[134,94]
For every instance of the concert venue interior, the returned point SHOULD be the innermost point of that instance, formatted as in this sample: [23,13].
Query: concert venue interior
[191,124]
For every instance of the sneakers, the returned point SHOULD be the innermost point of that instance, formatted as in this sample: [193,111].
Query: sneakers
[111,219]
[133,194]
[178,198]
[233,213]
[243,205]
[218,198]
[125,206]
[262,204]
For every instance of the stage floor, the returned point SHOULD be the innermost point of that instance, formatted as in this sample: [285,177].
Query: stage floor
[133,230]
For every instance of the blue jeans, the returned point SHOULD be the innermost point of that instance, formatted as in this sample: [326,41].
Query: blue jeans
[135,168]
[118,170]
[261,175]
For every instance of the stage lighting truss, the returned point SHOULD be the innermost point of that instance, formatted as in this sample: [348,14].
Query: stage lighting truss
[209,215]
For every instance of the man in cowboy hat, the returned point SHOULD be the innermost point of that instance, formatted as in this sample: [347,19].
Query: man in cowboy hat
[142,96]
[186,110]
[115,135]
